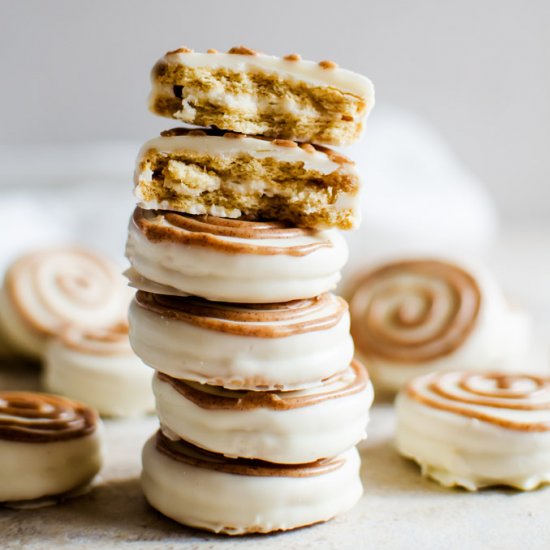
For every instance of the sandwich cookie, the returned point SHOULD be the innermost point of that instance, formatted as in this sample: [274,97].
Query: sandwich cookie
[233,175]
[239,496]
[285,346]
[99,368]
[477,429]
[49,447]
[249,92]
[412,317]
[231,260]
[45,291]
[290,427]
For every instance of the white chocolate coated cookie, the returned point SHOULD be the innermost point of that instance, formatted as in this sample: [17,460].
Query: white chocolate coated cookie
[292,427]
[232,175]
[249,92]
[416,316]
[242,496]
[232,260]
[49,446]
[99,367]
[282,346]
[477,429]
[45,291]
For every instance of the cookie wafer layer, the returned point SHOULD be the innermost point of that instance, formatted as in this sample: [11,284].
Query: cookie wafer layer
[248,92]
[232,175]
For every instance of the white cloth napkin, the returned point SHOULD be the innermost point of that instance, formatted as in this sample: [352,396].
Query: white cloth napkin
[418,197]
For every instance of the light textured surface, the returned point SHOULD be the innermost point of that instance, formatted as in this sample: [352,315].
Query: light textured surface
[399,509]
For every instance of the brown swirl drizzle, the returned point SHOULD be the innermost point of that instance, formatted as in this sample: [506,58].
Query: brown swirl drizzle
[39,418]
[413,311]
[486,397]
[257,320]
[106,341]
[213,232]
[55,287]
[242,400]
[182,451]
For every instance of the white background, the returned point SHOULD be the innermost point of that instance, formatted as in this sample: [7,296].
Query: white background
[75,70]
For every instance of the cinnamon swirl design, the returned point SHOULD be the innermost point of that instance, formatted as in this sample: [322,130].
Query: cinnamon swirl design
[102,341]
[339,386]
[411,317]
[512,401]
[477,429]
[200,489]
[414,311]
[99,368]
[48,290]
[158,226]
[291,427]
[40,418]
[256,320]
[49,445]
[243,346]
[184,452]
[234,260]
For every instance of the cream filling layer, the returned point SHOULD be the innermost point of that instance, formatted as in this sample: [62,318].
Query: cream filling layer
[237,504]
[115,385]
[30,471]
[456,450]
[293,436]
[226,276]
[303,70]
[219,146]
[186,351]
[247,105]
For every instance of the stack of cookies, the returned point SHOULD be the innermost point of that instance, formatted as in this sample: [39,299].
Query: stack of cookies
[234,250]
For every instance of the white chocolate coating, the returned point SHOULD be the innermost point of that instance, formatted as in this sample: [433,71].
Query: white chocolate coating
[233,276]
[500,337]
[100,369]
[460,447]
[220,146]
[251,93]
[184,350]
[292,436]
[20,336]
[47,290]
[34,470]
[49,445]
[322,169]
[302,70]
[239,504]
